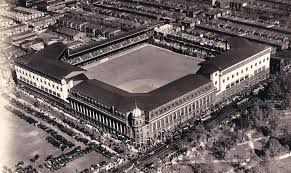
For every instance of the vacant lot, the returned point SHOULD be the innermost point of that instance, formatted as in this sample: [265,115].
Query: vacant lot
[21,141]
[143,68]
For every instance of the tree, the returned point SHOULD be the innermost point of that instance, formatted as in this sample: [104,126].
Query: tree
[275,120]
[255,116]
[273,147]
[202,168]
[226,142]
[274,90]
[243,124]
[257,169]
[201,132]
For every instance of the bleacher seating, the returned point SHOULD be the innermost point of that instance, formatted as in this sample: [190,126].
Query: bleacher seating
[96,54]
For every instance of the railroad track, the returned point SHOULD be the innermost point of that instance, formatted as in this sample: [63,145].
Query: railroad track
[159,152]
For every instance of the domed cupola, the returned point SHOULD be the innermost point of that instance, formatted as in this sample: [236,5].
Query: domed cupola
[136,113]
[137,117]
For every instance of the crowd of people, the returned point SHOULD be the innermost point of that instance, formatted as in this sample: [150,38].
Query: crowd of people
[182,48]
[95,54]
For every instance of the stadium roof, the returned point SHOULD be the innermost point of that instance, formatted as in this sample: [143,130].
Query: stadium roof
[46,61]
[241,49]
[125,101]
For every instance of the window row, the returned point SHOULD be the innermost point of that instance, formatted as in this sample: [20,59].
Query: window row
[103,119]
[182,114]
[242,71]
[39,79]
[41,87]
[237,81]
[176,103]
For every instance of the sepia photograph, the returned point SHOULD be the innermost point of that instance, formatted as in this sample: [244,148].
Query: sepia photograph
[145,86]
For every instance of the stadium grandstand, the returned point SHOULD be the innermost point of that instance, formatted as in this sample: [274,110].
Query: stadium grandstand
[97,51]
[143,91]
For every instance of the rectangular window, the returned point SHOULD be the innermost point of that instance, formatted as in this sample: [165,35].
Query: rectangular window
[237,81]
[232,84]
[246,76]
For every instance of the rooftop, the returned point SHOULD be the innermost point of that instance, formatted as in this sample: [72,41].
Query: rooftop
[125,101]
[46,62]
[241,49]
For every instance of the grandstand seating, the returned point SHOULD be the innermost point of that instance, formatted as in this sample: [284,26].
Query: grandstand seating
[99,53]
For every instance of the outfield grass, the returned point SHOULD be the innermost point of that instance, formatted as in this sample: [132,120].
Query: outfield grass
[143,68]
